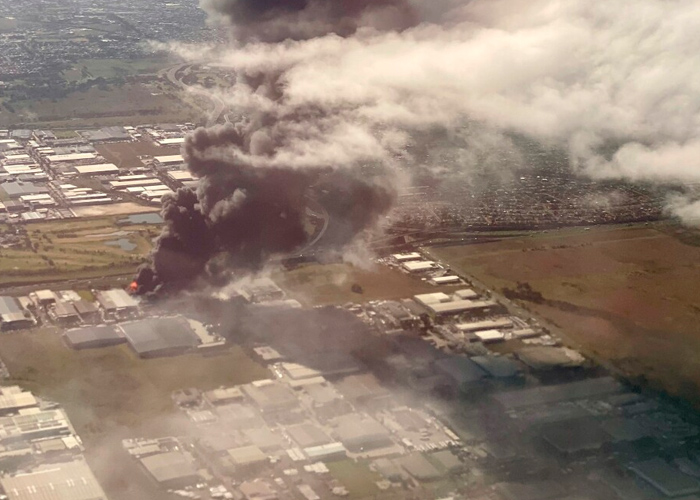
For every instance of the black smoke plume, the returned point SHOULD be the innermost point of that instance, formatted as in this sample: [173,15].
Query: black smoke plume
[277,20]
[242,214]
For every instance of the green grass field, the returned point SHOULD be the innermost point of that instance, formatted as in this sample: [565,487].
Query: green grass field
[105,389]
[114,105]
[75,249]
[356,477]
[108,69]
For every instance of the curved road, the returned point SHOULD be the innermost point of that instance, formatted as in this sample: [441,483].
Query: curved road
[219,105]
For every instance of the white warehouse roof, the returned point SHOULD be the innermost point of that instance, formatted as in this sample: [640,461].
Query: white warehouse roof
[460,306]
[404,257]
[101,168]
[421,265]
[170,159]
[71,157]
[432,298]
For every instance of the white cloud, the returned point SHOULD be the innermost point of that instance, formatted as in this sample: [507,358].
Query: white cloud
[616,77]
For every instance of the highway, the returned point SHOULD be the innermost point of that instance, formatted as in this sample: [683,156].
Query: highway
[214,115]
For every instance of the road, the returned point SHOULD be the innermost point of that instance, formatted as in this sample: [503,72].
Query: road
[214,115]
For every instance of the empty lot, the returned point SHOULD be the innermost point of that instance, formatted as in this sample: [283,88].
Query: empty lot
[625,294]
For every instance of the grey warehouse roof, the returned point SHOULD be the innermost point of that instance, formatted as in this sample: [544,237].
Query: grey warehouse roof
[170,466]
[92,334]
[17,189]
[159,334]
[9,305]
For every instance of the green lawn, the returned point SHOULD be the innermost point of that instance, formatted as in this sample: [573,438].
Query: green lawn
[356,477]
[75,249]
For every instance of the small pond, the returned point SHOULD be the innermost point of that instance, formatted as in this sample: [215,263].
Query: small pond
[124,243]
[149,218]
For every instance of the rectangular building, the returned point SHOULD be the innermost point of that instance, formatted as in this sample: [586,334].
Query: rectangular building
[160,336]
[60,481]
[93,337]
[97,169]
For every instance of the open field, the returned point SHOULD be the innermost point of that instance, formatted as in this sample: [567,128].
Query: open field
[127,104]
[627,295]
[359,480]
[108,69]
[110,394]
[126,154]
[75,249]
[113,209]
[323,284]
[110,388]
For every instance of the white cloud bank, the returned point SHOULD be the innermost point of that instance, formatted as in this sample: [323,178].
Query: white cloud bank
[616,84]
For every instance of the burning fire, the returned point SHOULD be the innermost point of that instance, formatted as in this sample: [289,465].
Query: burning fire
[134,287]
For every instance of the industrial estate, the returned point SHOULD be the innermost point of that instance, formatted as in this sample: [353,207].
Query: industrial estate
[421,382]
[455,393]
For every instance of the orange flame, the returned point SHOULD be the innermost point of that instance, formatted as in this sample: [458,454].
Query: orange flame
[134,287]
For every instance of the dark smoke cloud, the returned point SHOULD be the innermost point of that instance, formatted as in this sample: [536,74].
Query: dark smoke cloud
[242,214]
[277,20]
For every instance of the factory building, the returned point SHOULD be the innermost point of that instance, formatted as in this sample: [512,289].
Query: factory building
[465,306]
[419,266]
[107,134]
[490,324]
[546,358]
[33,424]
[172,470]
[360,433]
[308,435]
[364,390]
[156,337]
[257,490]
[168,161]
[87,311]
[224,395]
[273,398]
[68,160]
[543,395]
[330,451]
[406,257]
[449,279]
[429,299]
[420,467]
[117,303]
[93,337]
[15,190]
[261,290]
[171,141]
[575,437]
[96,169]
[58,481]
[64,313]
[247,458]
[13,316]
[490,336]
[325,401]
[498,367]
[666,479]
[14,398]
[462,373]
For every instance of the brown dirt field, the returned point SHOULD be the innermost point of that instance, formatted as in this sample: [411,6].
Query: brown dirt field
[323,284]
[627,295]
[126,154]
